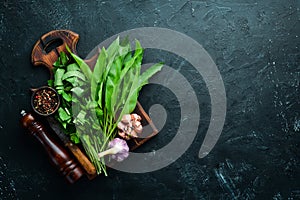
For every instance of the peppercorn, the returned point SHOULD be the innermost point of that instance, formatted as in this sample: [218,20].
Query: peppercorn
[45,101]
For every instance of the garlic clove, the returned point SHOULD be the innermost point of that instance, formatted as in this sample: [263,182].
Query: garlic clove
[126,119]
[135,117]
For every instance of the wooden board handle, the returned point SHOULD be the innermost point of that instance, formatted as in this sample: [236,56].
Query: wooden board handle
[83,160]
[46,50]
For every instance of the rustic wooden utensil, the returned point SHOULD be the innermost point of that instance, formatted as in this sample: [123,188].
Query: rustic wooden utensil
[46,50]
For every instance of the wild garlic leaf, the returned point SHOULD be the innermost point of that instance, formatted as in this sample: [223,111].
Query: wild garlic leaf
[125,41]
[50,83]
[72,80]
[124,48]
[77,91]
[110,85]
[58,77]
[143,80]
[133,95]
[73,67]
[98,73]
[80,118]
[133,61]
[66,96]
[63,58]
[74,138]
[112,50]
[126,67]
[112,53]
[63,115]
[68,88]
[128,92]
[127,58]
[73,74]
[138,49]
[126,81]
[57,63]
[91,105]
[115,71]
[100,95]
[137,84]
[99,113]
[112,81]
[83,66]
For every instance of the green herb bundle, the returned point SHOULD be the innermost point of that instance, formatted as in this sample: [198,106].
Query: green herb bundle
[93,102]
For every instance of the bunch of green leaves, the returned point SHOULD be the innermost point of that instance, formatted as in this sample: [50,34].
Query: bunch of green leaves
[76,112]
[95,101]
[68,80]
[116,82]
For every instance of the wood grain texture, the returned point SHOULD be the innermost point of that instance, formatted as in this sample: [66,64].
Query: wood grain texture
[39,56]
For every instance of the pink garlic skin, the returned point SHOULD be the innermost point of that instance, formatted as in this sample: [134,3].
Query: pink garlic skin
[126,119]
[121,155]
[135,117]
[130,126]
[137,126]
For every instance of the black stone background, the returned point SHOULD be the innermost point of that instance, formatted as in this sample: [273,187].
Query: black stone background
[255,45]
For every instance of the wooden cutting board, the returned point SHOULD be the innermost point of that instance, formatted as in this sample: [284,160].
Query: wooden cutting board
[46,51]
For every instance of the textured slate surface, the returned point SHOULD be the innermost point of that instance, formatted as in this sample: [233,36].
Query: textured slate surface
[255,45]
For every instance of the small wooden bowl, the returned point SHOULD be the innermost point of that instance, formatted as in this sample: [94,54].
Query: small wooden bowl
[35,97]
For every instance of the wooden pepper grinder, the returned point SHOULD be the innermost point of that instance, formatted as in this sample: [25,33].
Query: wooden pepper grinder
[59,157]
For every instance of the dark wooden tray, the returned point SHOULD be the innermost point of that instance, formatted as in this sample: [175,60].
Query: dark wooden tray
[46,51]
